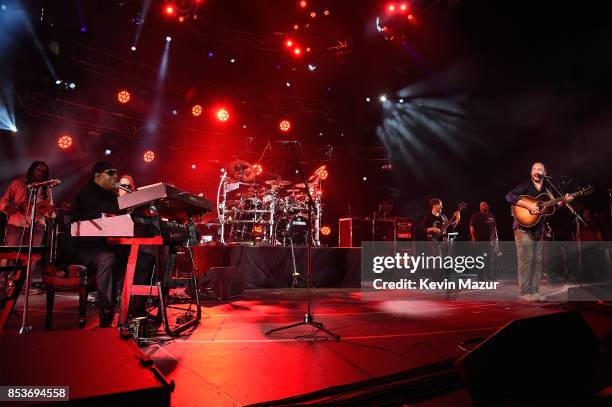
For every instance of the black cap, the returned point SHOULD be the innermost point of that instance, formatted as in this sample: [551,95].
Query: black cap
[102,166]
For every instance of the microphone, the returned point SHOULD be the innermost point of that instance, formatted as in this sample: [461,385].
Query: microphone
[543,176]
[121,187]
[286,142]
[50,183]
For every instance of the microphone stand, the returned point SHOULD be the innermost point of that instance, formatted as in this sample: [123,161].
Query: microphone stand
[577,219]
[308,318]
[25,328]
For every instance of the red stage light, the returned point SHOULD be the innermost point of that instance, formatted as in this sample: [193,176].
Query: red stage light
[391,8]
[297,51]
[258,230]
[64,142]
[313,14]
[289,43]
[258,169]
[410,17]
[148,156]
[169,9]
[223,115]
[326,12]
[325,230]
[196,110]
[404,7]
[123,96]
[303,4]
[323,174]
[285,125]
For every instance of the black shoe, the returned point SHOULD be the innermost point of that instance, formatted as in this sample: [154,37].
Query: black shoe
[106,319]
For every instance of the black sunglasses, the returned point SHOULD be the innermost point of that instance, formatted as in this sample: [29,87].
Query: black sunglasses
[111,172]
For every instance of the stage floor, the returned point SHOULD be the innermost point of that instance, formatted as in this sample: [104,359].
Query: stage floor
[228,360]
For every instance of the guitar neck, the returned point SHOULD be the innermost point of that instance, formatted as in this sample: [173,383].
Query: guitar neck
[559,199]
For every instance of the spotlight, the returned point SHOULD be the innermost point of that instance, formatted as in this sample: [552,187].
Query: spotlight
[233,60]
[383,98]
[326,12]
[296,27]
[303,4]
[133,48]
[211,54]
[258,169]
[325,230]
[289,43]
[83,29]
[368,99]
[297,51]
[223,115]
[58,82]
[174,112]
[284,125]
[107,151]
[321,134]
[311,67]
[313,14]
[64,142]
[3,7]
[169,9]
[244,126]
[401,100]
[13,128]
[391,8]
[168,38]
[72,85]
[196,110]
[123,96]
[288,84]
[308,49]
[364,179]
[410,17]
[148,156]
[403,7]
[193,166]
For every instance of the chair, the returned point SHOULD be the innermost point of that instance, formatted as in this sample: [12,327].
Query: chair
[72,277]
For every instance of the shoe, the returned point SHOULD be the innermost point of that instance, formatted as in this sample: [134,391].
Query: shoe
[106,319]
[539,297]
[527,297]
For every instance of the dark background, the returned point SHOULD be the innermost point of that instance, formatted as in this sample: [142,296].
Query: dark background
[488,88]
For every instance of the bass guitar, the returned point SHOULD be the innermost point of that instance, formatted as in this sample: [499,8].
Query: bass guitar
[547,207]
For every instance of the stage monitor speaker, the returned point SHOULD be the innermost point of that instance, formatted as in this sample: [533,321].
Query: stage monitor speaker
[226,282]
[543,359]
[97,365]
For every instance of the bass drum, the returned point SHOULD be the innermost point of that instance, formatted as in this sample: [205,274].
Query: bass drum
[292,229]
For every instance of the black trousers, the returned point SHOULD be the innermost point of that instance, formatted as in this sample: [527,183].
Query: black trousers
[108,265]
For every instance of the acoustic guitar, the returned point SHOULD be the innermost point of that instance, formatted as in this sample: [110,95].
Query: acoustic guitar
[547,207]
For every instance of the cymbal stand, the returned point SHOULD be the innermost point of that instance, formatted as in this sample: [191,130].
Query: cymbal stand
[221,206]
[33,197]
[308,317]
[296,276]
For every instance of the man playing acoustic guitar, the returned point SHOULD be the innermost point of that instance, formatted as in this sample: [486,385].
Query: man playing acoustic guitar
[528,239]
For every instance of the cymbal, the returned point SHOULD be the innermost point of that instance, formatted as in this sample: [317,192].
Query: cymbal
[241,170]
[292,190]
[278,182]
[302,186]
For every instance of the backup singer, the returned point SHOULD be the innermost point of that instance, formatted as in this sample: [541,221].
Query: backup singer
[529,240]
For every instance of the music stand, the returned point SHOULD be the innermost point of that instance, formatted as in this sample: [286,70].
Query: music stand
[308,318]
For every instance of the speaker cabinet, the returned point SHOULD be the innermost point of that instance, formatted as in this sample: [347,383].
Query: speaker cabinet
[544,359]
[226,282]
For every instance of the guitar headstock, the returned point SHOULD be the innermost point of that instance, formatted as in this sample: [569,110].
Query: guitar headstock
[462,206]
[585,191]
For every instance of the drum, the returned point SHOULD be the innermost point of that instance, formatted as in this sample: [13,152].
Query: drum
[292,228]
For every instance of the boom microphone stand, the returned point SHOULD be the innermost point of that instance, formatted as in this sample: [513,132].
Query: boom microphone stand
[308,318]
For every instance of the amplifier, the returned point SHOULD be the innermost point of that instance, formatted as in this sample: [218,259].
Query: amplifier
[353,231]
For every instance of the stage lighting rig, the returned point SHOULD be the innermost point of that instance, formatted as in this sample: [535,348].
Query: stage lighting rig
[396,21]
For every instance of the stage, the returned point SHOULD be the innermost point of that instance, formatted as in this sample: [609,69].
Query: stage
[228,360]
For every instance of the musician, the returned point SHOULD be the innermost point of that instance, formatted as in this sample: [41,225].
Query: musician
[529,240]
[96,199]
[482,223]
[431,224]
[14,203]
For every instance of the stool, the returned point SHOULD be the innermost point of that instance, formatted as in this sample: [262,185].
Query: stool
[72,278]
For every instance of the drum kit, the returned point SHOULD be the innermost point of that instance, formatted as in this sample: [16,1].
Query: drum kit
[272,211]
